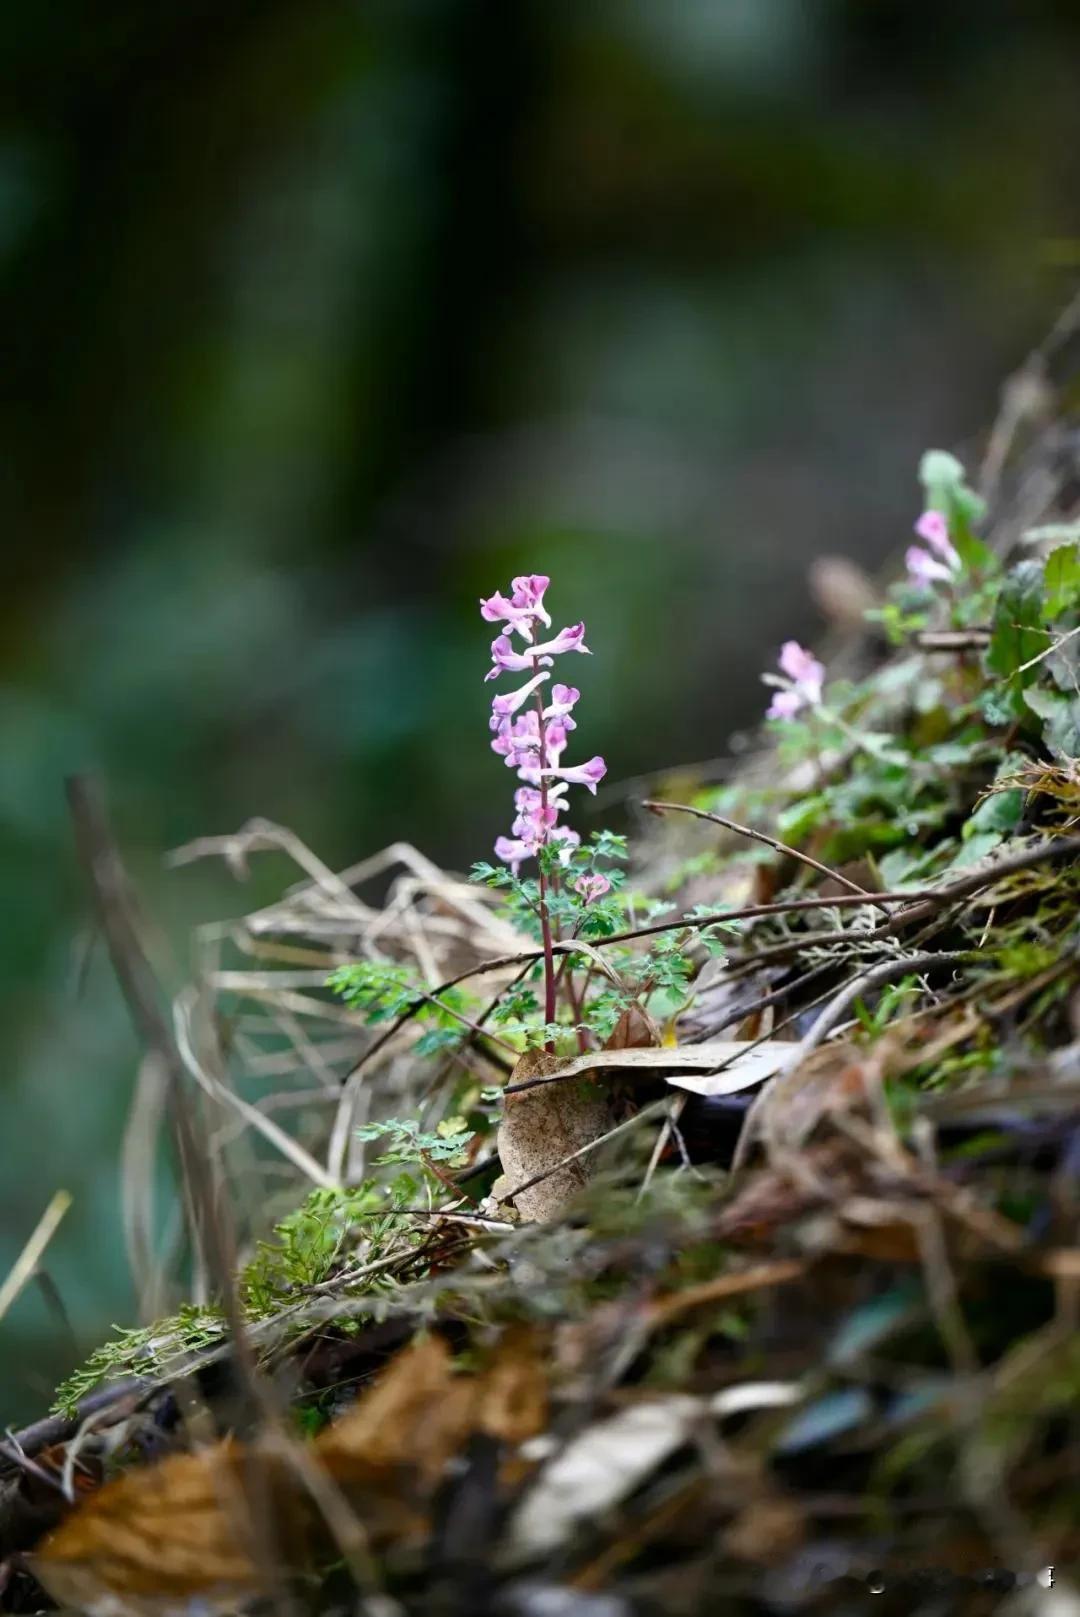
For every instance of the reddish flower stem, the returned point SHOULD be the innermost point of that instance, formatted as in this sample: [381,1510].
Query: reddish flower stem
[545,918]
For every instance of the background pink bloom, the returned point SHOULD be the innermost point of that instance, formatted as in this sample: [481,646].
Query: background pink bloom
[803,686]
[934,528]
[923,569]
[592,887]
[803,667]
[784,705]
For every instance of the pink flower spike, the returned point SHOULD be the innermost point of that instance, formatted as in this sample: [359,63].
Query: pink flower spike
[803,667]
[589,775]
[934,528]
[784,705]
[528,595]
[504,705]
[923,569]
[592,887]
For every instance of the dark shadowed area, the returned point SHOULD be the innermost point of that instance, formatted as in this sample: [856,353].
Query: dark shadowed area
[322,320]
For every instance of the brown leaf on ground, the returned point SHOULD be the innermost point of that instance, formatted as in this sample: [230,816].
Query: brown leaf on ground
[416,1414]
[635,1030]
[181,1530]
[766,1530]
[201,1527]
[512,1395]
[544,1127]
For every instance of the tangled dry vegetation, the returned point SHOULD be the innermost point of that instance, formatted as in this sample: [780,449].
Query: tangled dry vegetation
[761,1298]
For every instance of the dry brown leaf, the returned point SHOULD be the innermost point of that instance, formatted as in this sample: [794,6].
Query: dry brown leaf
[513,1392]
[545,1126]
[635,1030]
[195,1527]
[766,1530]
[830,1079]
[159,1538]
[416,1415]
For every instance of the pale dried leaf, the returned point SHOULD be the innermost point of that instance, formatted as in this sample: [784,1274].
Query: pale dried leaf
[598,1469]
[720,1067]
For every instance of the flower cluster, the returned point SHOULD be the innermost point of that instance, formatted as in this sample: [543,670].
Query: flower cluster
[801,687]
[532,742]
[939,564]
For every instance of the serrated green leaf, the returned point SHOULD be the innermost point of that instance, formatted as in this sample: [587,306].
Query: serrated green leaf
[976,848]
[1060,714]
[1017,634]
[1062,580]
[1000,813]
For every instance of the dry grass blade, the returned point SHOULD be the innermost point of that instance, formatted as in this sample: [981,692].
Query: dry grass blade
[25,1265]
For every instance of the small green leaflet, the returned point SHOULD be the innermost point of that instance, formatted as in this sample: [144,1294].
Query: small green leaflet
[1062,580]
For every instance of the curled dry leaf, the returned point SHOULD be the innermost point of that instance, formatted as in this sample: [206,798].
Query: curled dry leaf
[182,1531]
[197,1530]
[721,1067]
[635,1030]
[598,1469]
[543,1128]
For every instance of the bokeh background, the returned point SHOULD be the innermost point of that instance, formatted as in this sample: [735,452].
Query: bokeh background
[322,319]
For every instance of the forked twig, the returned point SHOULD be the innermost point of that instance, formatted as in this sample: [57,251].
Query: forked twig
[758,836]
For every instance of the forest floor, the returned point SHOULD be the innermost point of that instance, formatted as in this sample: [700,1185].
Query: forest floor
[752,1284]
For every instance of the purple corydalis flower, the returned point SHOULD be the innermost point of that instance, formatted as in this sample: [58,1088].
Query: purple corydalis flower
[523,609]
[933,527]
[592,887]
[505,659]
[803,667]
[528,595]
[563,698]
[784,705]
[589,775]
[802,686]
[533,742]
[505,705]
[923,568]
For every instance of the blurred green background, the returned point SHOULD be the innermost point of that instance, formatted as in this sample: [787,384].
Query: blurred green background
[321,319]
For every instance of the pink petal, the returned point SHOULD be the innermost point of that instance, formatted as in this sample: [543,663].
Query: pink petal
[934,528]
[589,774]
[506,704]
[923,569]
[784,705]
[569,639]
[592,887]
[529,595]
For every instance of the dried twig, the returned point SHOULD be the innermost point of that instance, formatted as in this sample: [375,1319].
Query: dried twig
[758,836]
